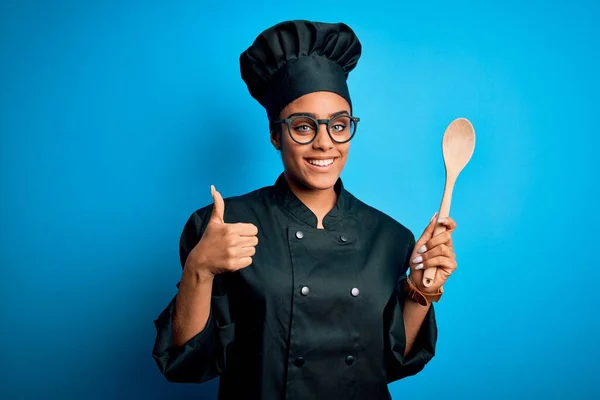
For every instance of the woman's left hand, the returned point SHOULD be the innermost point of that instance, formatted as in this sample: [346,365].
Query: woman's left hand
[434,251]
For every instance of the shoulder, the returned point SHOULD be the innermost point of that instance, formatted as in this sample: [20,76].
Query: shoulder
[374,219]
[236,207]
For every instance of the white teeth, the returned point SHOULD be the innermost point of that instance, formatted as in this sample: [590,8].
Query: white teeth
[321,163]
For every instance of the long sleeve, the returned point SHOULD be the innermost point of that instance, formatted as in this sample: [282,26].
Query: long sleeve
[398,365]
[203,357]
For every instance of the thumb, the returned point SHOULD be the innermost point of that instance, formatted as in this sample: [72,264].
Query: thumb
[218,206]
[427,233]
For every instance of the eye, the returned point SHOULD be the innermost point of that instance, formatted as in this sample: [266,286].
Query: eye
[303,128]
[339,127]
[340,124]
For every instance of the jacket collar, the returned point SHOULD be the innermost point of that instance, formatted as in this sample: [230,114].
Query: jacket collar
[292,203]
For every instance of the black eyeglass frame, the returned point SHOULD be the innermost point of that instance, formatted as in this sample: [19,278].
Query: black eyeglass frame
[318,122]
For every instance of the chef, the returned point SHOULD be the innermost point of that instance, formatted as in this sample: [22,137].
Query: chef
[299,290]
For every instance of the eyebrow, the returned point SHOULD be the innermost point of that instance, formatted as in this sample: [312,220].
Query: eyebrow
[333,115]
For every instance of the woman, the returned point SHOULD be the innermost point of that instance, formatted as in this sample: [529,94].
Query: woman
[299,290]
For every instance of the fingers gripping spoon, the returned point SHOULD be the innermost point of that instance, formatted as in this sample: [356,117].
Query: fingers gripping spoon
[458,145]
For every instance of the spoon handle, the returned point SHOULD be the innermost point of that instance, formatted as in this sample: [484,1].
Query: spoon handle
[429,273]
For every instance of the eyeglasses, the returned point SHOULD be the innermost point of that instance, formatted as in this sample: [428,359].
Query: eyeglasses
[303,129]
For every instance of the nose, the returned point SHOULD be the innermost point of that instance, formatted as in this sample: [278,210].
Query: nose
[322,141]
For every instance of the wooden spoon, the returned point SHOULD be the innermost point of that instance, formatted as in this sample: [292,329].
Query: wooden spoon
[458,145]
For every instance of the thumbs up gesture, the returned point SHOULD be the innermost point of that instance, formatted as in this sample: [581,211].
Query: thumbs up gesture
[223,247]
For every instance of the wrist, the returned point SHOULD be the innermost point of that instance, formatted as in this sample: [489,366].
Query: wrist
[198,274]
[416,294]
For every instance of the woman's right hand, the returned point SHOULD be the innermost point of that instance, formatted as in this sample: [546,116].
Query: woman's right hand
[223,247]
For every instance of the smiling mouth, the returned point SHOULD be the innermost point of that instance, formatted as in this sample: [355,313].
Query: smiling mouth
[321,163]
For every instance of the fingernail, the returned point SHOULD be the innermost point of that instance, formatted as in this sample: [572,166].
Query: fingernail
[418,259]
[441,220]
[422,249]
[436,213]
[419,267]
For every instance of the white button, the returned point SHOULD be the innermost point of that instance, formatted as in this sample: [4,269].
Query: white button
[299,234]
[355,292]
[304,290]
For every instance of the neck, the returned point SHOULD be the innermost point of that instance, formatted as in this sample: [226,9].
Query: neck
[320,202]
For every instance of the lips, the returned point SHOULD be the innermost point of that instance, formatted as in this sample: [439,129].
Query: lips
[321,165]
[320,162]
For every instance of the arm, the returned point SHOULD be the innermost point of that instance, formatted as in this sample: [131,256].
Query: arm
[193,331]
[192,307]
[411,330]
[414,315]
[414,331]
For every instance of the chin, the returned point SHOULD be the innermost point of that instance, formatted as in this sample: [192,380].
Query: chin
[321,181]
[308,177]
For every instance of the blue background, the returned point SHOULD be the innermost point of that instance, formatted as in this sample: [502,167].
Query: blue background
[116,116]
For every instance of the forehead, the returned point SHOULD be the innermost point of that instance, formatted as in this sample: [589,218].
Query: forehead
[318,103]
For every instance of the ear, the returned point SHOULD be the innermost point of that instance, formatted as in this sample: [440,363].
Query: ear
[276,139]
